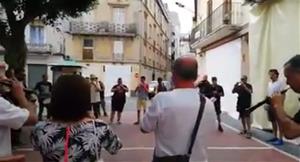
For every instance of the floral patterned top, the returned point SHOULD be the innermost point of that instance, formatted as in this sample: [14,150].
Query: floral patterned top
[49,139]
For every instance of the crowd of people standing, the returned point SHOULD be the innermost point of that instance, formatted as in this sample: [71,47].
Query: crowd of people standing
[80,135]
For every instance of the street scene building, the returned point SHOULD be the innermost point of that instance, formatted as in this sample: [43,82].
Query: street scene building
[223,37]
[46,52]
[220,38]
[222,77]
[175,35]
[131,40]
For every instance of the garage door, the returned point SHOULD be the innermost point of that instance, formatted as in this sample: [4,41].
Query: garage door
[35,73]
[224,62]
[112,73]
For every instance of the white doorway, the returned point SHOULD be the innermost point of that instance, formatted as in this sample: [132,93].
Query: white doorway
[224,62]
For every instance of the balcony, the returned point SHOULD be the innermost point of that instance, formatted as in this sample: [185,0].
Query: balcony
[118,57]
[118,2]
[103,29]
[39,48]
[224,21]
[36,48]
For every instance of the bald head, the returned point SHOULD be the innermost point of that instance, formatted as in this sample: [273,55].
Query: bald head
[186,68]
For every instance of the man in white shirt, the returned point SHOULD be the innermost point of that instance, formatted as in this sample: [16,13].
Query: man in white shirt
[275,86]
[14,117]
[172,115]
[95,95]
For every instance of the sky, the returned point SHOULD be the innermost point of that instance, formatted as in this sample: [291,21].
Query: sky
[185,14]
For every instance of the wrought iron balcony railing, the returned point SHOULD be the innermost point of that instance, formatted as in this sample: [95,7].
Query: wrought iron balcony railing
[39,48]
[36,48]
[102,28]
[226,14]
[118,57]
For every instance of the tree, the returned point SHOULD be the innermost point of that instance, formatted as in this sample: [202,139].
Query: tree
[19,13]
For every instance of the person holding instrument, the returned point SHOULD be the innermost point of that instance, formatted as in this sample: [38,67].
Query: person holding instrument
[218,92]
[244,91]
[95,95]
[13,116]
[43,89]
[290,125]
[118,100]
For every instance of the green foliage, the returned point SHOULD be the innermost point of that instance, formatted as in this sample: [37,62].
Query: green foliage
[19,13]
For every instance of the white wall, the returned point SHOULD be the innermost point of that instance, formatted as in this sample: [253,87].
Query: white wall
[109,74]
[112,73]
[224,62]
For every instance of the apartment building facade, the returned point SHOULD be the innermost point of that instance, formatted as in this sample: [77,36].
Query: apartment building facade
[220,38]
[175,35]
[121,38]
[46,52]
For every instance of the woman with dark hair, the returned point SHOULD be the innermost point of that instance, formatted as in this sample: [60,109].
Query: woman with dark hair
[72,135]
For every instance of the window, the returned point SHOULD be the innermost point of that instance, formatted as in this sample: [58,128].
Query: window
[119,15]
[37,35]
[118,46]
[118,49]
[88,49]
[145,23]
[87,54]
[150,29]
[145,38]
[88,43]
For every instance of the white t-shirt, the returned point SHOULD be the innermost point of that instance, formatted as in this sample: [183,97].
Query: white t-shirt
[172,116]
[95,94]
[275,87]
[13,117]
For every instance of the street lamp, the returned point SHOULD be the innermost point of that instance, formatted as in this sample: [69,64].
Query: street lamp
[183,6]
[188,9]
[180,4]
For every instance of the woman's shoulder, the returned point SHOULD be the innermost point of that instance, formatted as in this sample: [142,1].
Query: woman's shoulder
[100,123]
[46,125]
[43,124]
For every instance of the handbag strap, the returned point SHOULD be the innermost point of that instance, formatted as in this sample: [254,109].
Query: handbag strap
[197,124]
[96,145]
[66,147]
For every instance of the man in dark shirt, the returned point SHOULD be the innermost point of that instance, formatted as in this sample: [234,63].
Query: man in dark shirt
[160,87]
[244,91]
[217,93]
[102,98]
[205,87]
[43,89]
[118,100]
[290,126]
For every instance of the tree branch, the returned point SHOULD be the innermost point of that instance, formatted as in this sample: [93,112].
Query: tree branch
[3,34]
[15,26]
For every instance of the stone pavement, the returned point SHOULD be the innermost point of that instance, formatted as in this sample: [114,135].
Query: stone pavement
[220,147]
